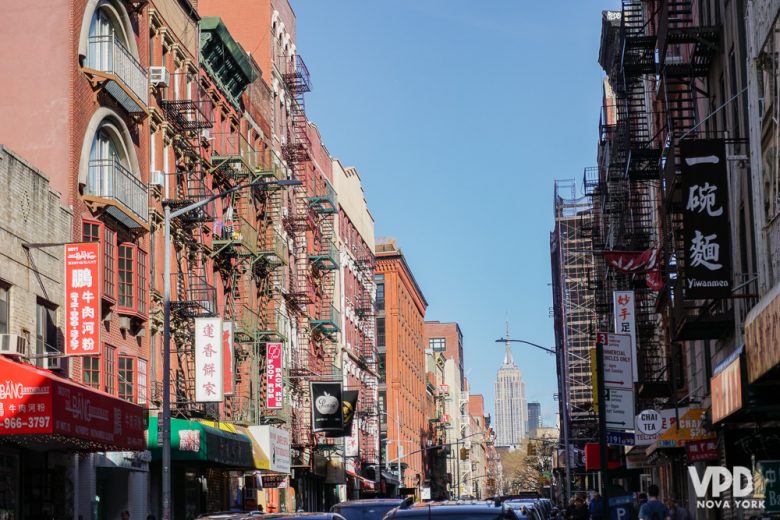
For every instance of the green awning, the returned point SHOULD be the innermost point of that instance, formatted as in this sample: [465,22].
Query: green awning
[192,441]
[236,52]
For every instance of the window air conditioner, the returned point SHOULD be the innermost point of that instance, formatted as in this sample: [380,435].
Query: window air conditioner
[205,134]
[124,323]
[159,76]
[52,363]
[13,345]
[157,178]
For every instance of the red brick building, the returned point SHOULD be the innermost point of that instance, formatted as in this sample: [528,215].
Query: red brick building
[401,311]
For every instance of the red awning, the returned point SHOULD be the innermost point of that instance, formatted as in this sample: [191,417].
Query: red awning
[41,410]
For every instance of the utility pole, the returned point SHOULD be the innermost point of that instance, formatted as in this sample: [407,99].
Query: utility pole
[603,446]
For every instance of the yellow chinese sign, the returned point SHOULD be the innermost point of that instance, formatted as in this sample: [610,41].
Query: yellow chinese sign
[688,428]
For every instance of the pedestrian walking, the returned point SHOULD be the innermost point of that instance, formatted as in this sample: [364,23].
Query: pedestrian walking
[676,511]
[596,506]
[577,510]
[653,509]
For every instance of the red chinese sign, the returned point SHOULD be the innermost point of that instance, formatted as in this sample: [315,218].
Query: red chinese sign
[228,380]
[273,379]
[27,397]
[699,451]
[208,360]
[82,293]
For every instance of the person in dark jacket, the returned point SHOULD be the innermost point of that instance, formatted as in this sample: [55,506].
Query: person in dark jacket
[577,511]
[596,506]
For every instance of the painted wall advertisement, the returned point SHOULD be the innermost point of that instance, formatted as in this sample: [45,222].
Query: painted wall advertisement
[209,387]
[705,219]
[274,383]
[82,292]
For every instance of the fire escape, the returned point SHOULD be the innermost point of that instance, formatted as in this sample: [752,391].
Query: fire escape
[685,51]
[300,222]
[366,351]
[194,294]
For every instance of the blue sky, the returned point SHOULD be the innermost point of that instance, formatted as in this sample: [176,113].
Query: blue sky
[459,115]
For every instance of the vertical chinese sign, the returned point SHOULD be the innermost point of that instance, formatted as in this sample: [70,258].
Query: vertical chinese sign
[228,357]
[625,321]
[273,376]
[208,360]
[82,292]
[705,219]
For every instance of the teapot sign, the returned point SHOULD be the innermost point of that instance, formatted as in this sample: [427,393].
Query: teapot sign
[326,407]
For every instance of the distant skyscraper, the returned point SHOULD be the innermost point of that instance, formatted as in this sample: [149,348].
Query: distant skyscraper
[534,419]
[510,405]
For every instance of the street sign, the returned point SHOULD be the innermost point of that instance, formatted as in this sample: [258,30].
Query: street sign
[618,368]
[621,512]
[619,408]
[620,438]
[621,500]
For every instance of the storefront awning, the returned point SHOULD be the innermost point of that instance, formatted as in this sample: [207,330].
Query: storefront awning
[194,441]
[82,420]
[688,428]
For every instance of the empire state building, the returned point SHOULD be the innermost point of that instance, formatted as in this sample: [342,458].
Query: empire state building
[511,409]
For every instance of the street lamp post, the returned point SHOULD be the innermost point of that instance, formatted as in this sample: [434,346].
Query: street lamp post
[564,395]
[167,506]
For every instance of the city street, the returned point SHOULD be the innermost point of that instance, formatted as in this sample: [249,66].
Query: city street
[533,275]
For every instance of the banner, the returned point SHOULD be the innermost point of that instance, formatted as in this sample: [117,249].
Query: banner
[632,261]
[274,383]
[326,407]
[349,400]
[706,228]
[625,322]
[209,387]
[228,364]
[82,290]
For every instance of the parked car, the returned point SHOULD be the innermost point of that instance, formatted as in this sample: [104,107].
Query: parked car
[452,510]
[307,516]
[229,515]
[367,509]
[531,508]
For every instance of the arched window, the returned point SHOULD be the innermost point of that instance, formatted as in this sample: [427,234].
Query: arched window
[105,31]
[112,176]
[104,157]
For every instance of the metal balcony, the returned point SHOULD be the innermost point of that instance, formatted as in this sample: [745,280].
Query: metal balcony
[327,322]
[235,156]
[189,114]
[109,62]
[274,250]
[197,297]
[274,326]
[324,203]
[326,258]
[239,237]
[125,197]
